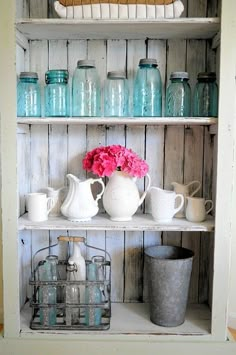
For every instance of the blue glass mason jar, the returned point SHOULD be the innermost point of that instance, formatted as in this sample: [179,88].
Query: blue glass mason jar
[48,293]
[116,95]
[86,90]
[147,100]
[205,98]
[57,93]
[28,95]
[178,96]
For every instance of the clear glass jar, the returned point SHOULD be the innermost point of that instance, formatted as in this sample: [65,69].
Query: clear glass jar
[93,315]
[72,296]
[86,90]
[116,95]
[57,93]
[205,98]
[28,95]
[178,96]
[147,100]
[48,294]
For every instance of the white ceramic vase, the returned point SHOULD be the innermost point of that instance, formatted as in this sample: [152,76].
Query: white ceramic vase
[121,197]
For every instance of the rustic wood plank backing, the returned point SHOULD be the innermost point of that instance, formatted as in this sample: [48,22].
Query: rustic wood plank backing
[167,165]
[174,136]
[213,8]
[116,60]
[154,150]
[39,143]
[76,134]
[38,8]
[57,53]
[96,135]
[197,8]
[193,161]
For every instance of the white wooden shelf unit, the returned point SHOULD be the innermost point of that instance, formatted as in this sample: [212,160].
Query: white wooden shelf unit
[58,29]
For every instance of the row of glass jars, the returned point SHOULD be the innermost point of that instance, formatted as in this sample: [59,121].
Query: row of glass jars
[86,93]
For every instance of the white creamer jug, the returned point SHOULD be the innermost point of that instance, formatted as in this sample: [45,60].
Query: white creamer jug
[185,190]
[80,205]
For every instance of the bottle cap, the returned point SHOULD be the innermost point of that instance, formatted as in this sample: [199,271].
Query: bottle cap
[207,75]
[179,75]
[28,74]
[86,63]
[116,75]
[149,61]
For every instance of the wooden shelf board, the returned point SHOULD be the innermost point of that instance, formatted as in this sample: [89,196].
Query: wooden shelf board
[182,121]
[140,222]
[183,28]
[133,319]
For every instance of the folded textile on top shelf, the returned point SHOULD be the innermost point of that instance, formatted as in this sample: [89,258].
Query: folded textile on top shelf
[110,9]
[86,2]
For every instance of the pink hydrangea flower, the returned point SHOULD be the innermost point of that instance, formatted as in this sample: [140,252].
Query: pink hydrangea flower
[103,161]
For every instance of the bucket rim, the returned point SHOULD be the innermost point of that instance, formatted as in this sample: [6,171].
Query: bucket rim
[189,251]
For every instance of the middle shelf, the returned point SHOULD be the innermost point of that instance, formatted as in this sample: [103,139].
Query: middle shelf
[182,121]
[139,222]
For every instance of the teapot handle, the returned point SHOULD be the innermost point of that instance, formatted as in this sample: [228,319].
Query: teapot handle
[145,192]
[197,188]
[103,188]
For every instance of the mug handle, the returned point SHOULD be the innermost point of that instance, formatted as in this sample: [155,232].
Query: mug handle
[103,188]
[197,188]
[212,205]
[177,209]
[50,204]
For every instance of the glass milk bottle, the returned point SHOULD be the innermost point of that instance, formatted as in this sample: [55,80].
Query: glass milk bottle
[116,95]
[178,96]
[147,100]
[57,93]
[86,90]
[28,95]
[205,102]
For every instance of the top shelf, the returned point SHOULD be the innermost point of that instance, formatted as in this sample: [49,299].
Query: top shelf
[184,28]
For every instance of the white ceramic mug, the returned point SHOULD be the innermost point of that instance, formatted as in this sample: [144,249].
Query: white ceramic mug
[39,206]
[163,204]
[196,209]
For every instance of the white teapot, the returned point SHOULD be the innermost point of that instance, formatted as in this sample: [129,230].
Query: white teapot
[80,205]
[185,190]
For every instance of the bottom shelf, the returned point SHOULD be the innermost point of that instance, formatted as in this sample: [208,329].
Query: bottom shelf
[133,318]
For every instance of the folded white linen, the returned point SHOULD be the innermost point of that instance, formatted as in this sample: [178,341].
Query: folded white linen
[116,11]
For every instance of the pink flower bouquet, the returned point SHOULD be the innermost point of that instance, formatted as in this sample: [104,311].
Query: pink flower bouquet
[103,161]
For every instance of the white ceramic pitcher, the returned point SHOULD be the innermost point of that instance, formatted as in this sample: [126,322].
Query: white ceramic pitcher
[163,204]
[185,190]
[80,205]
[58,196]
[196,209]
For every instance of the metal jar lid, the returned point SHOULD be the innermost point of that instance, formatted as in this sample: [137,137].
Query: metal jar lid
[28,74]
[116,75]
[86,63]
[179,75]
[149,61]
[207,75]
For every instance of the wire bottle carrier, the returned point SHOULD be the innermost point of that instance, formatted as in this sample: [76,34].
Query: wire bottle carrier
[44,305]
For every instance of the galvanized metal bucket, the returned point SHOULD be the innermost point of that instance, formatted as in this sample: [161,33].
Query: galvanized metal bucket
[168,271]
